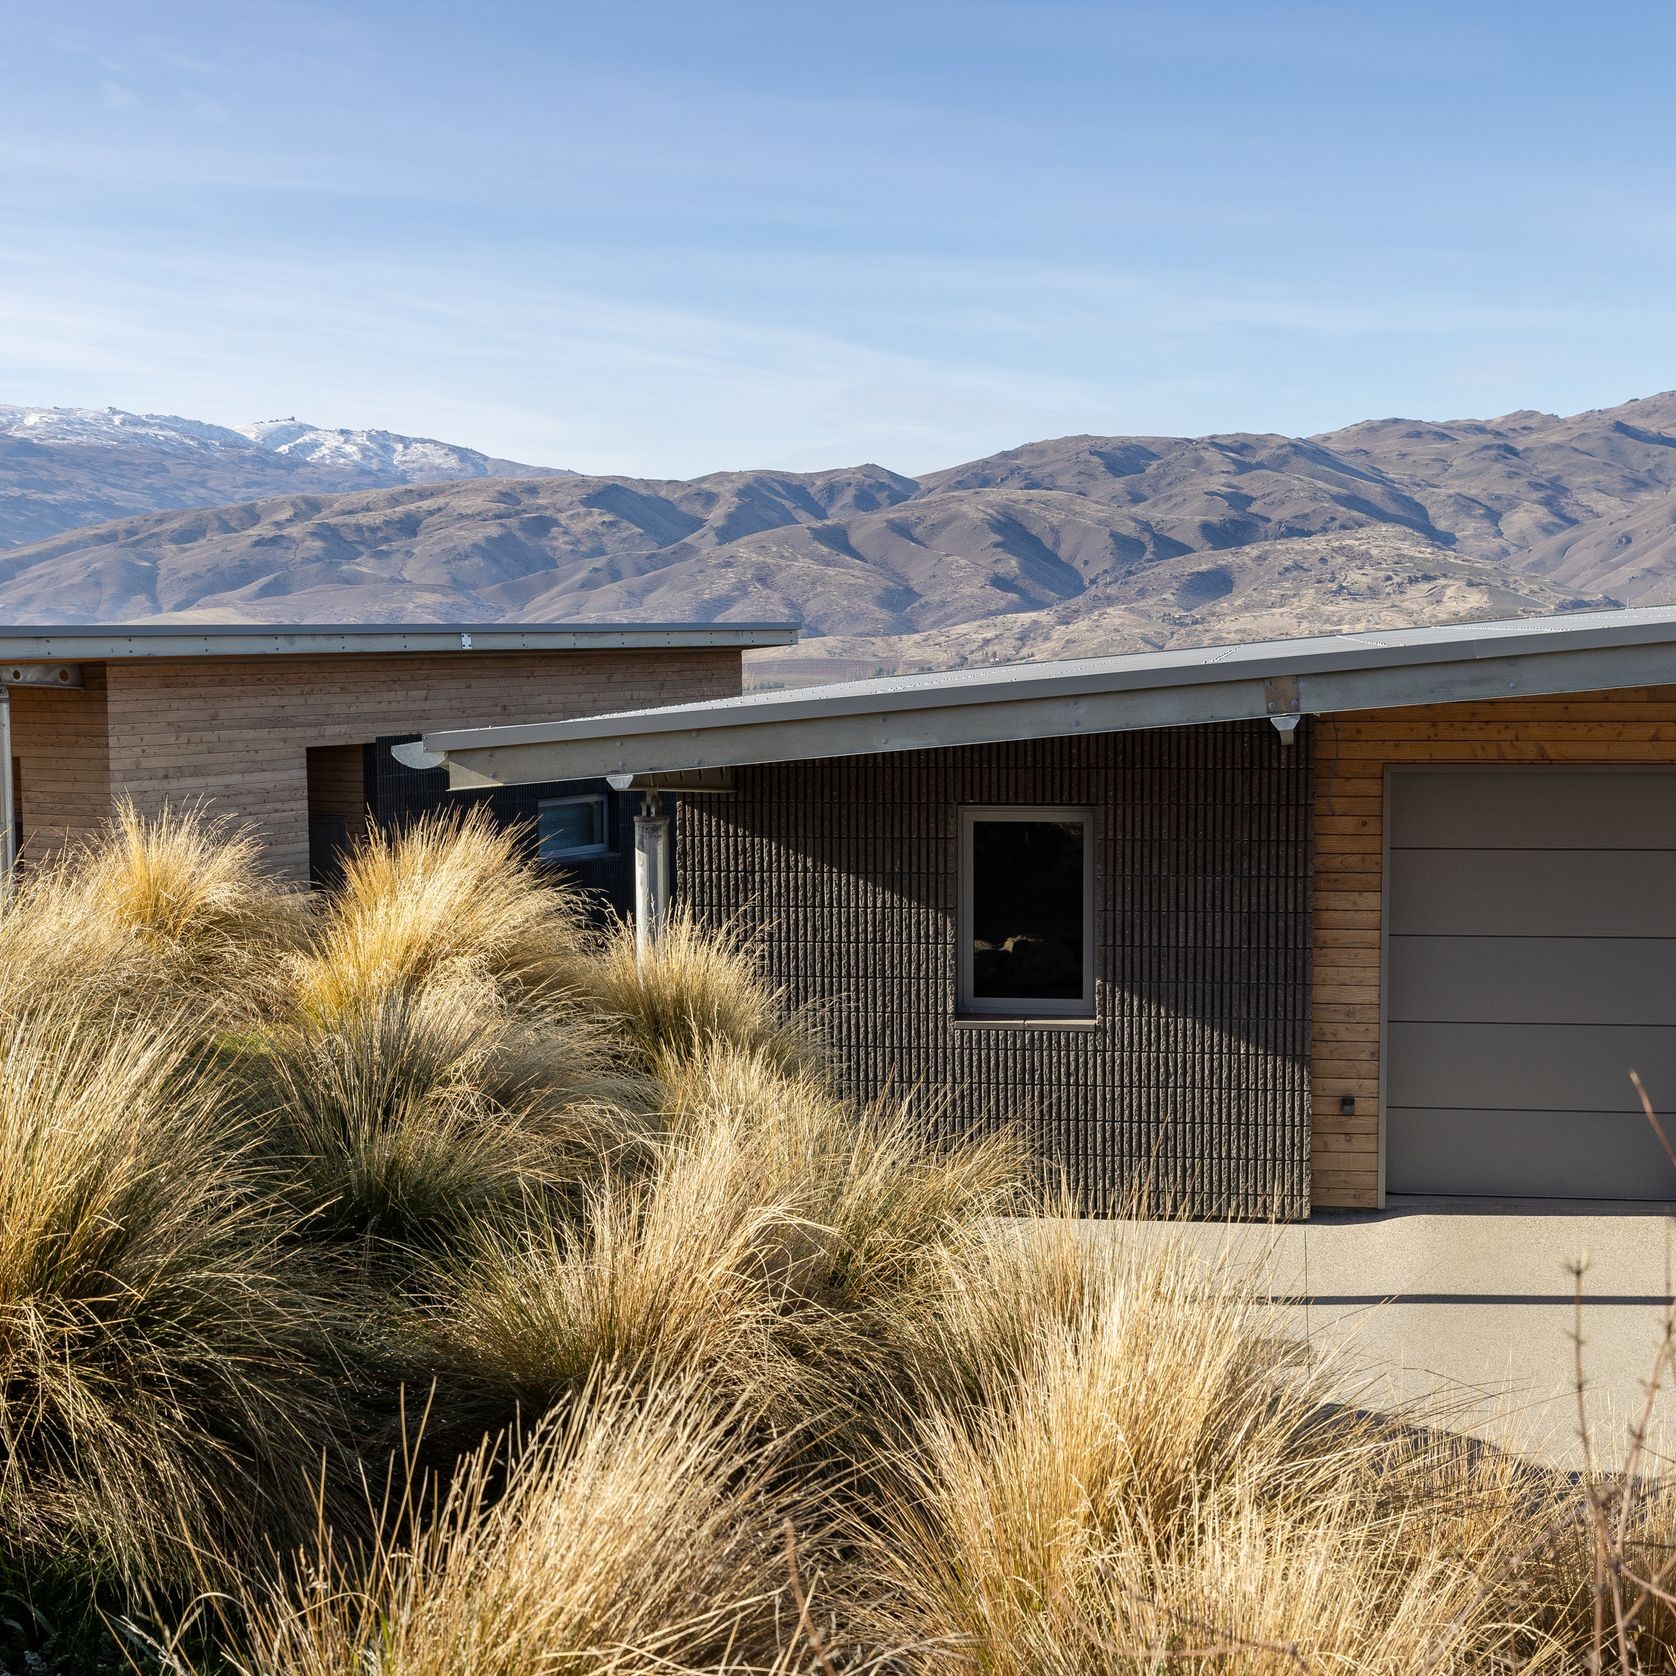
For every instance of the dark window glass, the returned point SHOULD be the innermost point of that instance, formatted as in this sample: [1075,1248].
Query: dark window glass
[570,826]
[1027,910]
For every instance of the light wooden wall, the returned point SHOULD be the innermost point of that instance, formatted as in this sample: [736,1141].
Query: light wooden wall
[233,733]
[59,740]
[1636,725]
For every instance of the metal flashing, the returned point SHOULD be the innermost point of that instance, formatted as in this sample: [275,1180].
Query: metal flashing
[1575,652]
[115,641]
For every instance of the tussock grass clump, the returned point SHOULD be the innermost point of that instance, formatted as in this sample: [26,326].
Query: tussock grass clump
[415,1114]
[671,1277]
[446,900]
[194,889]
[1109,1458]
[57,944]
[696,984]
[761,1251]
[1061,1404]
[160,1369]
[632,1532]
[868,1185]
[431,1070]
[172,909]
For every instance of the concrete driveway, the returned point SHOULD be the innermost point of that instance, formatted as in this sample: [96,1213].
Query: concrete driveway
[1467,1305]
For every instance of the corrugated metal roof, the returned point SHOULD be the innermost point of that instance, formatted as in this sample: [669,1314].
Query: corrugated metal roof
[1571,652]
[105,641]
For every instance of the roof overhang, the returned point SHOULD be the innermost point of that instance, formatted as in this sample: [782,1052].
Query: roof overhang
[106,643]
[1301,677]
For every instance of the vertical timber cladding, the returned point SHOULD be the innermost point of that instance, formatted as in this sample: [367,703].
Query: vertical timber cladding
[1630,726]
[1191,1083]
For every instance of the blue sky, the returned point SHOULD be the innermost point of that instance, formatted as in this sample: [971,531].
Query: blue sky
[665,238]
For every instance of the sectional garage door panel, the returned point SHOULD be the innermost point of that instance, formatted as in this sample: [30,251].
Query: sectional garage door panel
[1528,1067]
[1535,809]
[1526,980]
[1545,893]
[1542,1155]
[1530,966]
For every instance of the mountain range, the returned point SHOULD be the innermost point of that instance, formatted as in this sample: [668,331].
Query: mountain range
[65,467]
[1070,547]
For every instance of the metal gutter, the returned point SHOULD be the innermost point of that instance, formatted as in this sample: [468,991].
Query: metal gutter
[106,643]
[1525,657]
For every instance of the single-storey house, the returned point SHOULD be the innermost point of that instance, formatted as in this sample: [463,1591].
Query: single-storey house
[292,731]
[1265,928]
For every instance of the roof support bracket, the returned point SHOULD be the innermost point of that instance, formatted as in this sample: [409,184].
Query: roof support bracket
[40,674]
[1280,695]
[1280,700]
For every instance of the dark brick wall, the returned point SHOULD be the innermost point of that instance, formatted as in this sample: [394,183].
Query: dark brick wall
[1191,1084]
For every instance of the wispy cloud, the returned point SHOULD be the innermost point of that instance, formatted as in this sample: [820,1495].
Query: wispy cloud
[580,379]
[662,238]
[979,356]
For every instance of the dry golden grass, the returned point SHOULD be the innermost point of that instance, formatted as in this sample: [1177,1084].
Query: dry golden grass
[194,888]
[1111,1461]
[870,1189]
[160,1377]
[656,1280]
[698,983]
[631,1533]
[447,901]
[416,1114]
[757,1252]
[168,909]
[430,1069]
[620,1213]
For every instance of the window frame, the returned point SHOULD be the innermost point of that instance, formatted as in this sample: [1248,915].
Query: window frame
[581,852]
[1001,1008]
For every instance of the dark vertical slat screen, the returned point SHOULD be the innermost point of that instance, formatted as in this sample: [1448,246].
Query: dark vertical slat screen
[1192,1087]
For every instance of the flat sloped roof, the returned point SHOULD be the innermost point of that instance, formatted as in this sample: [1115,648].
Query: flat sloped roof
[104,642]
[1571,652]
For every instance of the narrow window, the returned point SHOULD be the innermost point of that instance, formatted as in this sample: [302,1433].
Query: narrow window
[1026,920]
[570,828]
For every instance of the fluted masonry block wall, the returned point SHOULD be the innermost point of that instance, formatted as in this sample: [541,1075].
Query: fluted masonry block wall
[1192,1081]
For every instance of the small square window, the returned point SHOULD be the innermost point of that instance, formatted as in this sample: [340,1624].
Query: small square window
[571,828]
[1026,912]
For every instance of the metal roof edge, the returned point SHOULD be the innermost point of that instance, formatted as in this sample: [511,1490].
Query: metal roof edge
[1007,683]
[93,642]
[1344,673]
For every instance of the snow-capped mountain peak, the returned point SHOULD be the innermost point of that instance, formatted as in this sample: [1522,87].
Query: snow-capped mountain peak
[387,455]
[90,426]
[412,459]
[62,467]
[276,433]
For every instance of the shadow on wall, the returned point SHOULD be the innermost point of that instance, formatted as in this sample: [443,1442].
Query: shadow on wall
[1190,1083]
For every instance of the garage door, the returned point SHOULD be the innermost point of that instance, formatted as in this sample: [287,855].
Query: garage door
[1530,966]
